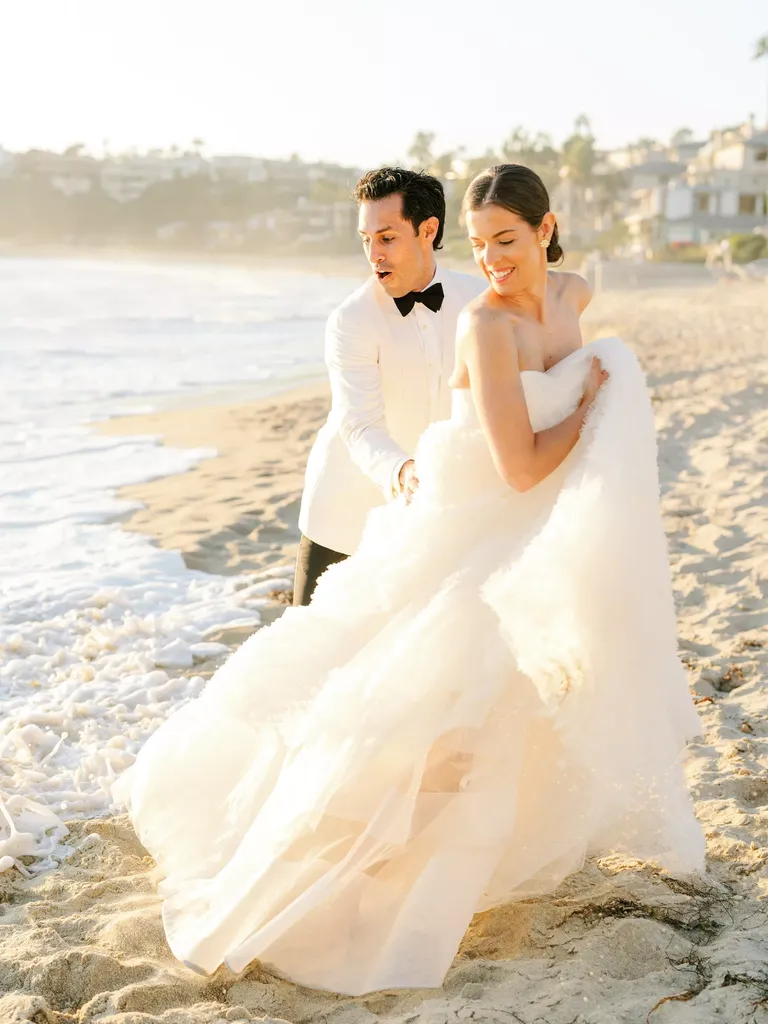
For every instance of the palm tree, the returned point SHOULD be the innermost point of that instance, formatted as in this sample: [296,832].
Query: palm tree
[582,125]
[681,136]
[535,151]
[761,53]
[420,152]
[646,142]
[443,165]
[578,154]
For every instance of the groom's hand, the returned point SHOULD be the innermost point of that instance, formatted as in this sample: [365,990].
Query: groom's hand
[408,480]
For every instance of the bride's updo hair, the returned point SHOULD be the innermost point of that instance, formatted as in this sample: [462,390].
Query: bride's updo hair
[519,190]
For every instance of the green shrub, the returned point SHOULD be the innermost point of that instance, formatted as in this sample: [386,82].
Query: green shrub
[746,248]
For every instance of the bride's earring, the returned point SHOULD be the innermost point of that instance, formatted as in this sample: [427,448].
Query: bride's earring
[544,243]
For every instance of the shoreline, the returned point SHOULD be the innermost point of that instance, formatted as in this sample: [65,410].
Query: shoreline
[250,490]
[352,265]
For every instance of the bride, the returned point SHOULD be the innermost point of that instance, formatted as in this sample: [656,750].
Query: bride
[485,694]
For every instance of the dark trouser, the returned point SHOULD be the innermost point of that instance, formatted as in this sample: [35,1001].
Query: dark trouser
[311,562]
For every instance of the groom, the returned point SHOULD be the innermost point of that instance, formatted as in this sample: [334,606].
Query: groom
[389,349]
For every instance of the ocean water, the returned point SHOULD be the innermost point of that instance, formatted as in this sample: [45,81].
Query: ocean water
[96,623]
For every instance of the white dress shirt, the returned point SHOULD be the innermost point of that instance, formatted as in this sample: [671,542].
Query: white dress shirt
[428,326]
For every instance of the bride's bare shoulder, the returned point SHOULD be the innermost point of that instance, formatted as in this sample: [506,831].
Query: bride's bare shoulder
[572,288]
[485,336]
[483,316]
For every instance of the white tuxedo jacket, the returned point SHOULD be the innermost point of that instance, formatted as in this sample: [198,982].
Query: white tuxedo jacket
[389,380]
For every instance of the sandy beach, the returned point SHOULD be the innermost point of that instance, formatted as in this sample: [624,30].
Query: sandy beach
[618,943]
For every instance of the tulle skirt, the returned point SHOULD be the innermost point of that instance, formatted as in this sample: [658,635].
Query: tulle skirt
[484,694]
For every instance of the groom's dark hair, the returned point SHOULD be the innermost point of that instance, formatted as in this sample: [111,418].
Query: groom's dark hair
[423,195]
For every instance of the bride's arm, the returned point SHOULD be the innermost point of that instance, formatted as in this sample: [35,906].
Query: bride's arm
[522,458]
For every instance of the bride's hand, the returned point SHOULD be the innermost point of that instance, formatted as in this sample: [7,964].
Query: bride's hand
[596,377]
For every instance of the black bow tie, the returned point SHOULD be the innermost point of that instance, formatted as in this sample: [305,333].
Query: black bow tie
[432,298]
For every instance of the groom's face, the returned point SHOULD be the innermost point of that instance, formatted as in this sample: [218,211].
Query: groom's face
[401,257]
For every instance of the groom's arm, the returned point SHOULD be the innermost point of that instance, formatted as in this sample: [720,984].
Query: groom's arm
[352,358]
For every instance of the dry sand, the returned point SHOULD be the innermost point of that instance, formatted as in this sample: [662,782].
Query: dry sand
[619,943]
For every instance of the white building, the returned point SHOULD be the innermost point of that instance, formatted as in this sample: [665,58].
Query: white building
[71,173]
[240,168]
[632,155]
[125,178]
[722,191]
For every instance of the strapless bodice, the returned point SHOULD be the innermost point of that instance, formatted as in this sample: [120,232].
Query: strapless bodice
[550,396]
[453,456]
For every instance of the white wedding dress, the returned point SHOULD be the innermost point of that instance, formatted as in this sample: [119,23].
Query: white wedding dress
[486,692]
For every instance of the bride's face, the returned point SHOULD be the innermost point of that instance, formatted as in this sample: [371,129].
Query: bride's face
[507,249]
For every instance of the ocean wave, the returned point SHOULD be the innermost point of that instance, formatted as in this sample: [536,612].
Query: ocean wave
[88,611]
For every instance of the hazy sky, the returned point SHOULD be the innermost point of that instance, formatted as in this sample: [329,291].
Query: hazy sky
[353,81]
